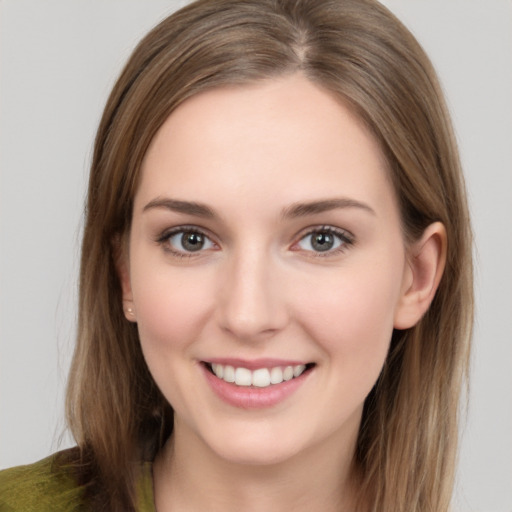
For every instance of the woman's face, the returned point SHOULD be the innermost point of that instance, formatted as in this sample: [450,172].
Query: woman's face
[266,242]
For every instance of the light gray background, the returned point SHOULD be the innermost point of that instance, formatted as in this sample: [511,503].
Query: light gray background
[59,59]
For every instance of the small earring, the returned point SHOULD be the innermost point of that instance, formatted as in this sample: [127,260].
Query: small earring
[129,311]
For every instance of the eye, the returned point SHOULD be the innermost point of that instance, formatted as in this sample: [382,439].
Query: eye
[184,241]
[325,240]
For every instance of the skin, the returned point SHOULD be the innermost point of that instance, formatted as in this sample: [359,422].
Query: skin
[259,289]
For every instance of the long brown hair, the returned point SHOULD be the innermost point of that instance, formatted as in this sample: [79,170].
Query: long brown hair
[360,52]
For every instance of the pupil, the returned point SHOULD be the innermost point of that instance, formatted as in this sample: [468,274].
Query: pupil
[192,241]
[322,241]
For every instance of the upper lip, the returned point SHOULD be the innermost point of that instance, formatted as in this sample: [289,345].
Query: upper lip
[254,364]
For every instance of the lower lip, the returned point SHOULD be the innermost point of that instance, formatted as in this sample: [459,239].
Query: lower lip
[247,397]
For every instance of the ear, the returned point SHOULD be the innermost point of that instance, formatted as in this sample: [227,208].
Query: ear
[424,269]
[122,263]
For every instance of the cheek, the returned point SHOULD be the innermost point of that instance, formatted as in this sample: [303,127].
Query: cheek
[351,317]
[171,309]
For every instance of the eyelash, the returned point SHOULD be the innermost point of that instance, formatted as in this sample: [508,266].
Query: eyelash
[165,237]
[345,238]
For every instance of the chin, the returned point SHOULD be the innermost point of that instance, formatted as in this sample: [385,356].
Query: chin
[248,447]
[256,455]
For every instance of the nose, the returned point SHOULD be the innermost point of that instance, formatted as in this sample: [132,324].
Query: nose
[251,302]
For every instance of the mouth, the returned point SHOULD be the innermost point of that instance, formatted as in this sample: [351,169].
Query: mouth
[257,378]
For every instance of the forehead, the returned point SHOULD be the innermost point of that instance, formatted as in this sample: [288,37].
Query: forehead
[285,139]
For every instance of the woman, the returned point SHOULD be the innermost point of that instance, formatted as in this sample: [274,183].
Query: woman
[276,273]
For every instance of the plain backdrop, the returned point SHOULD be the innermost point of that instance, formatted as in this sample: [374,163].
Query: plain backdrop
[58,61]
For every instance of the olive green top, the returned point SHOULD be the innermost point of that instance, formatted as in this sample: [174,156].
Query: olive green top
[36,488]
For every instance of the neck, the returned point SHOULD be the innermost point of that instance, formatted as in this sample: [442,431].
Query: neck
[188,476]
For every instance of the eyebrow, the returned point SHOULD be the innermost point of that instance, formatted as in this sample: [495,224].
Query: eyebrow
[293,211]
[314,207]
[186,207]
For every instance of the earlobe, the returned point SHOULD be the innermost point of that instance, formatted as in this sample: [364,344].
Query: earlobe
[426,262]
[129,312]
[123,272]
[124,277]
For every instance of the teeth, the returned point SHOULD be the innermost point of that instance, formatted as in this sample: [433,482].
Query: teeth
[218,369]
[297,370]
[243,377]
[276,375]
[228,374]
[261,378]
[288,373]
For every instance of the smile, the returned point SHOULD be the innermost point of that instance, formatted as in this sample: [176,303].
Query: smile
[260,378]
[256,384]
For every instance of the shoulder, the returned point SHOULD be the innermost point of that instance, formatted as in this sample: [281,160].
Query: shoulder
[39,487]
